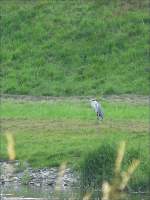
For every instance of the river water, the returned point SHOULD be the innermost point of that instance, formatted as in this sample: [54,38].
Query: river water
[43,184]
[50,194]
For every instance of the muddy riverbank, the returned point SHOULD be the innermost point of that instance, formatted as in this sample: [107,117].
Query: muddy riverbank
[40,182]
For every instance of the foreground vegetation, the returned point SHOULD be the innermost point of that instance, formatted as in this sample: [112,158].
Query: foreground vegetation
[74,47]
[48,133]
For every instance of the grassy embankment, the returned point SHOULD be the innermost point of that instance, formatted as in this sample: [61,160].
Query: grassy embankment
[49,133]
[74,47]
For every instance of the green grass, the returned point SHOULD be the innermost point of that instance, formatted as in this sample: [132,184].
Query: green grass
[56,110]
[74,47]
[48,133]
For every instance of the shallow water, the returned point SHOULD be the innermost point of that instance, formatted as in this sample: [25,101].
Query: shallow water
[30,191]
[67,191]
[49,193]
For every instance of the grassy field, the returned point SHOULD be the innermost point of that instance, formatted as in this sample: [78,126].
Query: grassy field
[65,47]
[48,133]
[73,48]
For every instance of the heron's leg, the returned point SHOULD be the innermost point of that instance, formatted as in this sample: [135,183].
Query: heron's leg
[101,116]
[97,115]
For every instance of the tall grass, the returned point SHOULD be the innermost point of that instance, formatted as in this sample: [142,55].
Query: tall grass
[99,165]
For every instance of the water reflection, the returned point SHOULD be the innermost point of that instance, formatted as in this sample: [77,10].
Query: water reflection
[138,197]
[50,194]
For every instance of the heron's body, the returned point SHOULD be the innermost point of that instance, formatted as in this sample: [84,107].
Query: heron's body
[97,108]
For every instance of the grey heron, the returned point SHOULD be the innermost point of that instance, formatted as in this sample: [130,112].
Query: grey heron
[97,108]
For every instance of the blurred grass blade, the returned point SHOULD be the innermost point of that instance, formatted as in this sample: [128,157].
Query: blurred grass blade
[60,176]
[120,156]
[10,146]
[87,196]
[106,191]
[127,175]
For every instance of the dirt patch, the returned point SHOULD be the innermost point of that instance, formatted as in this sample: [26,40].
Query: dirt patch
[131,99]
[134,99]
[77,126]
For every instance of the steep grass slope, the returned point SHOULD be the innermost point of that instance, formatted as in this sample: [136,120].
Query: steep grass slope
[63,47]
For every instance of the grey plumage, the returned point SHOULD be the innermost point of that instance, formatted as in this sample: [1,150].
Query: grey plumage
[97,108]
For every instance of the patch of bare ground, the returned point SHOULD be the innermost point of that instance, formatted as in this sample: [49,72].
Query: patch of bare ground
[131,99]
[126,98]
[77,126]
